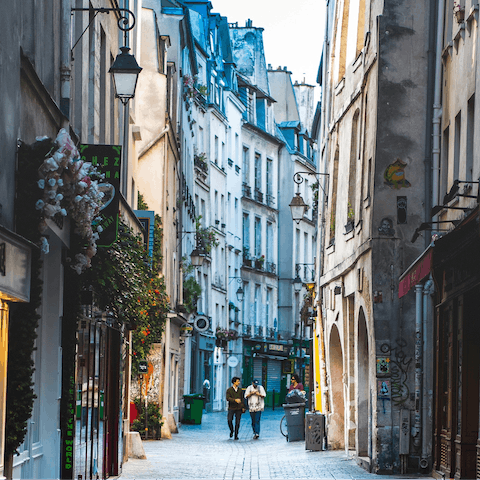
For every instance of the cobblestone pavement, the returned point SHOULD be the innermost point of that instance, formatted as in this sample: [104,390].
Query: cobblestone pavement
[206,452]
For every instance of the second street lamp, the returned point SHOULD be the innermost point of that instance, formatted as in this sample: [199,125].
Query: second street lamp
[297,206]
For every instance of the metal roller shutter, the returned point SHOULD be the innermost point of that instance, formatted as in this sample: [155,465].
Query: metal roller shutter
[273,375]
[257,369]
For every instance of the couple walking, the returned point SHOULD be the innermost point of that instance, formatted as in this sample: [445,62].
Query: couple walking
[255,395]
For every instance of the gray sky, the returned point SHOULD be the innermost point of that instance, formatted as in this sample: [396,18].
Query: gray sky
[293,31]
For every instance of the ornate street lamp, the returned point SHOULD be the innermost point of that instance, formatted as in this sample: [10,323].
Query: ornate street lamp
[240,294]
[125,71]
[197,256]
[297,284]
[297,206]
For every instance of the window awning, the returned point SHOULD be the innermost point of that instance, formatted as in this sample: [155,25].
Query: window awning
[417,271]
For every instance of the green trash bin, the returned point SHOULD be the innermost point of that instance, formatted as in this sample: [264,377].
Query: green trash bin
[193,408]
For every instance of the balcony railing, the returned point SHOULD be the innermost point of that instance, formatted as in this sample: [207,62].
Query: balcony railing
[270,267]
[246,190]
[247,331]
[200,163]
[258,196]
[270,200]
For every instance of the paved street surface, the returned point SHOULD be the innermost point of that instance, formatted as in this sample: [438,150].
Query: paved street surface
[206,452]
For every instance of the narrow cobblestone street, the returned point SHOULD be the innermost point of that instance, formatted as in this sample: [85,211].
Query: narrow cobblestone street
[206,452]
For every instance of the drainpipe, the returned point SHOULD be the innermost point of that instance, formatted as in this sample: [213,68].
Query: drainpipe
[417,428]
[428,291]
[65,65]
[437,105]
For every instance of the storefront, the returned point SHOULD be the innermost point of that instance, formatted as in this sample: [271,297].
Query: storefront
[201,380]
[15,260]
[270,364]
[456,271]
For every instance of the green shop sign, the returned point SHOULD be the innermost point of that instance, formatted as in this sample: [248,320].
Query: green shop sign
[106,158]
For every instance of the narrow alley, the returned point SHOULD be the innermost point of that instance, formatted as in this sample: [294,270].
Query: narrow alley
[206,451]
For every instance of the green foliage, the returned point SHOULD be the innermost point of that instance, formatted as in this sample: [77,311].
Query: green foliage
[154,418]
[350,212]
[206,235]
[128,285]
[24,317]
[191,292]
[141,204]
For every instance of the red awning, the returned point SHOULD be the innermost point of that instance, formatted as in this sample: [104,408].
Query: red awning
[416,272]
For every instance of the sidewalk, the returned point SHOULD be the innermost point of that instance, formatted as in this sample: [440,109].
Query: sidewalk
[206,452]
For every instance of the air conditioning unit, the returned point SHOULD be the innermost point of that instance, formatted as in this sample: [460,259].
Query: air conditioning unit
[315,435]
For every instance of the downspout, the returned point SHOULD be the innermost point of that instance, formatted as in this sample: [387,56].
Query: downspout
[437,105]
[428,291]
[417,428]
[65,57]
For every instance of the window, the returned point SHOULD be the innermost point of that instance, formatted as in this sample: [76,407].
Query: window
[470,134]
[246,233]
[269,174]
[246,165]
[297,245]
[216,150]
[257,305]
[456,153]
[222,160]
[269,249]
[352,175]
[444,163]
[258,172]
[258,237]
[267,308]
[333,205]
[236,214]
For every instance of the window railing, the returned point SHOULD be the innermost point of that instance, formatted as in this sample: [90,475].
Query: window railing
[246,190]
[258,195]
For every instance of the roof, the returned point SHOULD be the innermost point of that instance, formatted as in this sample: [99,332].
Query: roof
[290,124]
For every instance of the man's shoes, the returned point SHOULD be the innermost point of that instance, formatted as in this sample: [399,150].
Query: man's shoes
[236,437]
[256,436]
[231,434]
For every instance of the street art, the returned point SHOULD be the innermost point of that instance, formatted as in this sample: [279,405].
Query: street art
[399,368]
[383,388]
[394,175]
[383,366]
[386,228]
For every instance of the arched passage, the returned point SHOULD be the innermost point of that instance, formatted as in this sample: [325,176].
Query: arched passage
[336,425]
[363,397]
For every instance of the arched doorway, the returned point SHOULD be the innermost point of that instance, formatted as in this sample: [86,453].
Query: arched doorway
[336,424]
[363,397]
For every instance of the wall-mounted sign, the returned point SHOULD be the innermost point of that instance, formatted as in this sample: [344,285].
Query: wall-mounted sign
[201,323]
[186,330]
[232,361]
[143,366]
[106,158]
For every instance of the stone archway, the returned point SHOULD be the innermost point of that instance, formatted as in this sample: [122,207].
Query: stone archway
[336,424]
[363,383]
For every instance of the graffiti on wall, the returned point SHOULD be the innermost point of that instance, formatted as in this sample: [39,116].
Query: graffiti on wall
[383,366]
[394,175]
[399,371]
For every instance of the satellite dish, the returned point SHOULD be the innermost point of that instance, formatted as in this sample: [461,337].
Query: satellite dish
[201,323]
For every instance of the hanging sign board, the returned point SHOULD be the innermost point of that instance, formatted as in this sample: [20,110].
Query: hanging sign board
[106,158]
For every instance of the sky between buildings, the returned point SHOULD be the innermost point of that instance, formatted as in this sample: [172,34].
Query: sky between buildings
[293,31]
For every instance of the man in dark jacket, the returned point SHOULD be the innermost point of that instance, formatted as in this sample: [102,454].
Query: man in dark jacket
[235,406]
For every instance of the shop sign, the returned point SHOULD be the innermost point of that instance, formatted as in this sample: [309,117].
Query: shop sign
[416,273]
[68,433]
[206,343]
[15,259]
[106,159]
[143,366]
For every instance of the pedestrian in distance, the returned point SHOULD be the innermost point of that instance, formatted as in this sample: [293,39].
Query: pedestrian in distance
[295,383]
[236,406]
[255,394]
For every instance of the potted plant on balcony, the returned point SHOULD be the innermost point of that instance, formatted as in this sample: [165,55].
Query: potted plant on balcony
[350,218]
[247,262]
[459,12]
[259,262]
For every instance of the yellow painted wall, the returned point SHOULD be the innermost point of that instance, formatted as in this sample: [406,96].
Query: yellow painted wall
[3,374]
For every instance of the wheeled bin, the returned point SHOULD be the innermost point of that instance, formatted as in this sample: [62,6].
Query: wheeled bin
[193,408]
[295,417]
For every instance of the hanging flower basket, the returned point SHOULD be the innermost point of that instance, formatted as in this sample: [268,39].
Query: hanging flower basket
[459,12]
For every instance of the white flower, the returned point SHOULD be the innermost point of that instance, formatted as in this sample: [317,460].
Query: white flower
[41,183]
[82,184]
[63,212]
[60,182]
[50,164]
[78,198]
[41,139]
[95,236]
[45,247]
[52,182]
[59,197]
[40,204]
[51,194]
[99,229]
